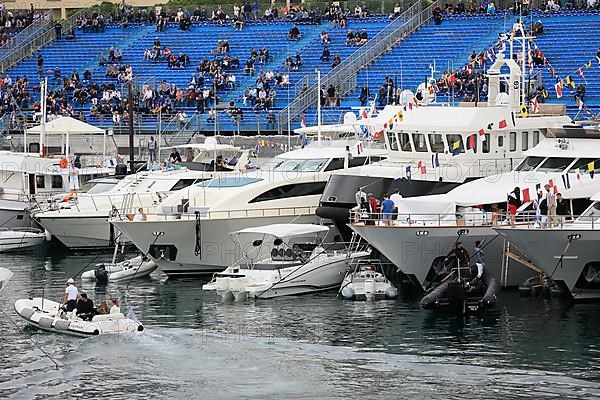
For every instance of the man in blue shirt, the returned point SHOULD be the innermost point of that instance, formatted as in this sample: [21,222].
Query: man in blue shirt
[387,209]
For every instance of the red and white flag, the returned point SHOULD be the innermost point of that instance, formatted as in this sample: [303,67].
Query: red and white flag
[558,88]
[535,107]
[482,135]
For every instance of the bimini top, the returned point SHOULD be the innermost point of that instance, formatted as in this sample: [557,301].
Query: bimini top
[285,230]
[5,276]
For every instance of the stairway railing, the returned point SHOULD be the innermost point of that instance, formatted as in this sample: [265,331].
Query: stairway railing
[343,77]
[32,29]
[36,41]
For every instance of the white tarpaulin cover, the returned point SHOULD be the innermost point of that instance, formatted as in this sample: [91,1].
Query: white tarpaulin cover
[432,208]
[285,230]
[67,125]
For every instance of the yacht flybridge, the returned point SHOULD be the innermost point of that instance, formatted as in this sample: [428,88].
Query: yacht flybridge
[188,233]
[83,221]
[428,227]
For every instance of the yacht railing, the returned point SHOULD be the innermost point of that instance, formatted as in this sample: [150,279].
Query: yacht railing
[193,212]
[470,219]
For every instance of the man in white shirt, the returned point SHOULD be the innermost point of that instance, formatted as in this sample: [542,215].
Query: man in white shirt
[396,197]
[70,298]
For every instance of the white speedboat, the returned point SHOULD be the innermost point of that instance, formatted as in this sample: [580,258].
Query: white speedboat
[82,222]
[45,314]
[365,280]
[188,233]
[21,238]
[129,269]
[299,263]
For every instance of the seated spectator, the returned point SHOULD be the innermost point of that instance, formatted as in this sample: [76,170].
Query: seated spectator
[491,8]
[118,55]
[552,6]
[325,55]
[460,7]
[238,24]
[325,38]
[336,60]
[397,11]
[350,38]
[363,37]
[294,33]
[539,28]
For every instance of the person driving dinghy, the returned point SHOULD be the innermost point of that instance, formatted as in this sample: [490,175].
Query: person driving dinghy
[69,302]
[458,255]
[85,307]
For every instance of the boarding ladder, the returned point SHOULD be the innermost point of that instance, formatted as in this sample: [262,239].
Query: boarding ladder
[508,254]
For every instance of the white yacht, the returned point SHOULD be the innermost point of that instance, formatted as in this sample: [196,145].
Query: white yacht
[297,262]
[566,253]
[428,227]
[434,149]
[82,221]
[188,233]
[27,179]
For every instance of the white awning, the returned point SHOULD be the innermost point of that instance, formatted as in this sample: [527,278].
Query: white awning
[67,126]
[285,230]
[435,208]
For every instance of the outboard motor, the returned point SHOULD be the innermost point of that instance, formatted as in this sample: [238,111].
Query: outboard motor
[101,274]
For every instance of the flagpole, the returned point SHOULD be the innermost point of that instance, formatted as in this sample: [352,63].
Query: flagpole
[319,106]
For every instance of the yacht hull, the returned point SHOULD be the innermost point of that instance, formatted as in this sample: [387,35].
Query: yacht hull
[413,249]
[544,247]
[13,214]
[175,249]
[79,232]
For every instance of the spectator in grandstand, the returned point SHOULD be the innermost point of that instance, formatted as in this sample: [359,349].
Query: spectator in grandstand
[460,7]
[325,38]
[580,94]
[331,96]
[491,8]
[325,55]
[437,15]
[238,24]
[40,66]
[118,55]
[396,12]
[336,60]
[364,95]
[294,33]
[270,120]
[364,37]
[350,38]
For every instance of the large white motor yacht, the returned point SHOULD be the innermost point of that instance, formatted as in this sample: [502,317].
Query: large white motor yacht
[188,233]
[428,227]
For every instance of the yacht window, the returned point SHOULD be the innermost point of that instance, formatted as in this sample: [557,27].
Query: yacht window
[524,141]
[453,138]
[485,145]
[336,163]
[314,165]
[512,136]
[286,165]
[555,164]
[40,181]
[404,141]
[500,141]
[530,163]
[436,142]
[56,181]
[293,190]
[393,141]
[420,142]
[357,161]
[582,164]
[536,137]
[182,183]
[228,182]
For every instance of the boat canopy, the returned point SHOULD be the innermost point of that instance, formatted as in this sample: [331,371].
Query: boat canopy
[424,208]
[285,230]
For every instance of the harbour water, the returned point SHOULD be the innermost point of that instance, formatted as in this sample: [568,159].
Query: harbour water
[307,347]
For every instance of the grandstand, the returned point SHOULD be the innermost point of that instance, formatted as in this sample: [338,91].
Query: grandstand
[408,63]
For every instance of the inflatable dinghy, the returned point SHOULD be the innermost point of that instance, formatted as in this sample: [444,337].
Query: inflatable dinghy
[45,314]
[120,271]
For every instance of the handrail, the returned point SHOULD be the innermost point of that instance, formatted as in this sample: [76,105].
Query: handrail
[343,77]
[23,36]
[39,39]
[460,220]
